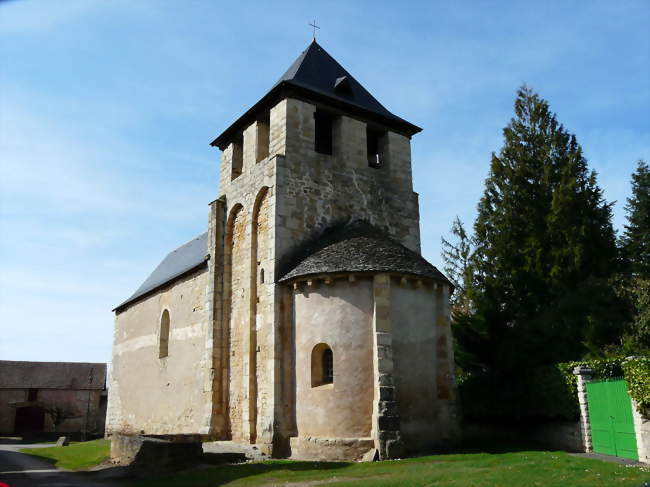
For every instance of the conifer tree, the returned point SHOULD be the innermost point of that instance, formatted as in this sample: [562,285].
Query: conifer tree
[545,248]
[457,256]
[636,237]
[635,244]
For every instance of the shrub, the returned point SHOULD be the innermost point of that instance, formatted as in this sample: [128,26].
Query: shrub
[637,375]
[546,393]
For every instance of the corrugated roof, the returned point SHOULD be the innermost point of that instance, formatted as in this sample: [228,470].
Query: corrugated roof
[360,247]
[317,73]
[185,258]
[51,375]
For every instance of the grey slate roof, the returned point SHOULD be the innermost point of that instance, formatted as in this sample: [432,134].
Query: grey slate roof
[316,74]
[184,259]
[51,375]
[359,247]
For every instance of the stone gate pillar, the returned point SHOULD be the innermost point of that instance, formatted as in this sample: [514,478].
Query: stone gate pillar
[584,375]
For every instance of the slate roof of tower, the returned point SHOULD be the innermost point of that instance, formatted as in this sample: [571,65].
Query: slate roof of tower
[359,247]
[185,258]
[316,75]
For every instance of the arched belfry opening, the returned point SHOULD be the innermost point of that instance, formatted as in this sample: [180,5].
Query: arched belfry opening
[322,365]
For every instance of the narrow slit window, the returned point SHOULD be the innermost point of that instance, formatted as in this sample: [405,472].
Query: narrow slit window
[263,132]
[163,347]
[323,132]
[32,394]
[237,157]
[328,366]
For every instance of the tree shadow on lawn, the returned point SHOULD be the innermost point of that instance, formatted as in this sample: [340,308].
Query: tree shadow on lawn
[220,472]
[494,448]
[223,474]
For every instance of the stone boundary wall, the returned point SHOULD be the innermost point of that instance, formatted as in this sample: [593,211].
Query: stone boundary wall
[154,454]
[552,435]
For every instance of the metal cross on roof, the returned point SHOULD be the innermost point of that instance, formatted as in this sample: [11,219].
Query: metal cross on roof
[315,27]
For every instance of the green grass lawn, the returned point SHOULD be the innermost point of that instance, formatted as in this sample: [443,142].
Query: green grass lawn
[511,469]
[77,456]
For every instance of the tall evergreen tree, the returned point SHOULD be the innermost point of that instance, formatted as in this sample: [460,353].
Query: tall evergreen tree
[457,257]
[545,248]
[636,237]
[634,285]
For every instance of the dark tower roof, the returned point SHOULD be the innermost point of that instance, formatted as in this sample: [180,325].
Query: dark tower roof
[359,247]
[316,75]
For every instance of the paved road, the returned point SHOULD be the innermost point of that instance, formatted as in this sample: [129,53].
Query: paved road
[20,470]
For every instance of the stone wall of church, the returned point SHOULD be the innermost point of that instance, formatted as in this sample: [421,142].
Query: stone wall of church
[339,315]
[273,204]
[317,190]
[262,310]
[249,292]
[238,326]
[161,395]
[423,365]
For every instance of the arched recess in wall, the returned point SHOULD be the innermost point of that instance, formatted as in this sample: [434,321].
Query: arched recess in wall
[231,288]
[163,339]
[260,227]
[322,365]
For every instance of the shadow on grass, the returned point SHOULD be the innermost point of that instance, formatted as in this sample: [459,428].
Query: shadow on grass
[224,470]
[224,474]
[481,447]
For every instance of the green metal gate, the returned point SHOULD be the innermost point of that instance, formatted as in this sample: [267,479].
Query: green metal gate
[610,417]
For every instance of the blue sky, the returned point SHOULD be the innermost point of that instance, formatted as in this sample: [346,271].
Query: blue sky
[107,109]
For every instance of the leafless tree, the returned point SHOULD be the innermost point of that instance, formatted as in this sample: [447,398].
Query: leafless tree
[59,412]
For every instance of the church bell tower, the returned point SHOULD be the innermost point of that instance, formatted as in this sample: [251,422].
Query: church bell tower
[317,220]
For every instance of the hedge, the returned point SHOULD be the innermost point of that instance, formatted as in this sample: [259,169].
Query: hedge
[548,392]
[637,375]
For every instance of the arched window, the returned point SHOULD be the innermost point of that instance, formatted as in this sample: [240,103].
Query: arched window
[328,366]
[322,365]
[163,344]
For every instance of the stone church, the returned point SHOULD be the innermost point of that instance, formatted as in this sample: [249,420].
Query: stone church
[304,321]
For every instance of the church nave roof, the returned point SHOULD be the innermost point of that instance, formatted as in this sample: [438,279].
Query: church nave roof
[184,259]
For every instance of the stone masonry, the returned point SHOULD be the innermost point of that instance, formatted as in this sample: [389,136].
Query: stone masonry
[241,340]
[584,374]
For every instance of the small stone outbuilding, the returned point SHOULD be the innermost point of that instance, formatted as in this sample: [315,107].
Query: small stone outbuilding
[305,320]
[38,398]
